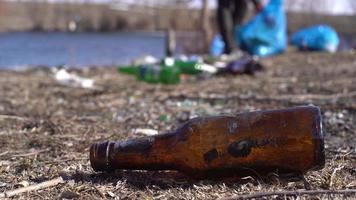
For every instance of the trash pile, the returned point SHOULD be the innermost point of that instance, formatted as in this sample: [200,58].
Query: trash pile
[266,35]
[172,70]
[316,38]
[166,71]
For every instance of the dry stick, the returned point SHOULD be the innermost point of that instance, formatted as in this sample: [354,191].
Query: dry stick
[290,193]
[34,153]
[30,188]
[4,153]
[332,177]
[64,160]
[99,191]
[297,97]
[310,96]
[13,117]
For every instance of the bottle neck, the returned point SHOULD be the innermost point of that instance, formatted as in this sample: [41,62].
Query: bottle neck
[148,153]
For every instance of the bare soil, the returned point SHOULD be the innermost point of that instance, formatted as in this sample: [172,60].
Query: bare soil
[46,128]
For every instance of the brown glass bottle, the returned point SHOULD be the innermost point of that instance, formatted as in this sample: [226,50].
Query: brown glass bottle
[286,140]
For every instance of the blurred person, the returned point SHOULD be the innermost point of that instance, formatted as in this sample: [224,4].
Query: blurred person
[230,13]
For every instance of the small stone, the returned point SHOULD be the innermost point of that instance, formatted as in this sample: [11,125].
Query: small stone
[2,184]
[71,183]
[69,195]
[33,129]
[340,115]
[184,116]
[68,144]
[23,183]
[328,114]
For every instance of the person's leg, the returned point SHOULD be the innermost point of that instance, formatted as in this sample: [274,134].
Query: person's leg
[226,24]
[240,10]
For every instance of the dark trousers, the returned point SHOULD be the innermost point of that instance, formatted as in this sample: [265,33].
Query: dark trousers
[230,14]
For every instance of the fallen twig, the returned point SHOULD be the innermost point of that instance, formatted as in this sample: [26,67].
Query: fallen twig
[13,117]
[30,188]
[281,97]
[332,177]
[303,97]
[290,193]
[64,160]
[4,153]
[99,191]
[34,153]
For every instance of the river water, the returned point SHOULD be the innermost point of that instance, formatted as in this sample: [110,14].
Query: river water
[19,50]
[27,49]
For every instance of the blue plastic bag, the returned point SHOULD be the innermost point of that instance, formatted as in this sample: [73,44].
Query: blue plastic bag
[265,34]
[316,38]
[217,46]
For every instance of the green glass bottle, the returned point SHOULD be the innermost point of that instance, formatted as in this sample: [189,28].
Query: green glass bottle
[153,73]
[188,67]
[170,75]
[129,69]
[159,74]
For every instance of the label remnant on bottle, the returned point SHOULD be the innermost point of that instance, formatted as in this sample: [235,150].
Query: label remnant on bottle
[232,127]
[242,148]
[210,155]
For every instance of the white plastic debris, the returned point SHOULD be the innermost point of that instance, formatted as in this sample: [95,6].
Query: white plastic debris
[72,80]
[169,61]
[207,68]
[145,131]
[146,59]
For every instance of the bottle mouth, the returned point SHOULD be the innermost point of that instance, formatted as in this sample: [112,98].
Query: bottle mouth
[319,142]
[99,156]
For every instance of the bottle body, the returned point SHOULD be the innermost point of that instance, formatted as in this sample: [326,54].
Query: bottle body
[189,67]
[287,140]
[153,73]
[168,71]
[130,69]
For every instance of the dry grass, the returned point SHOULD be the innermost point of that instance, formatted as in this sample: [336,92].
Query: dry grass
[46,128]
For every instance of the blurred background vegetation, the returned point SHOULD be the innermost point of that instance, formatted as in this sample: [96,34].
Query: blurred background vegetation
[153,15]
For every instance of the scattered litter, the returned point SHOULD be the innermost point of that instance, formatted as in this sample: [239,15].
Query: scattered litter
[245,65]
[173,71]
[72,80]
[168,71]
[147,59]
[145,131]
[217,46]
